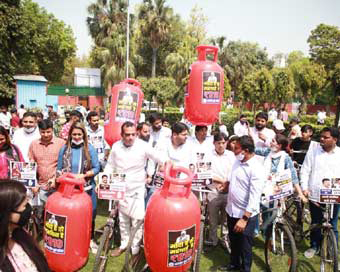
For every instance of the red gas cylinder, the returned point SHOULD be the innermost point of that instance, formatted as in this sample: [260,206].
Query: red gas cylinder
[126,104]
[67,225]
[172,224]
[205,88]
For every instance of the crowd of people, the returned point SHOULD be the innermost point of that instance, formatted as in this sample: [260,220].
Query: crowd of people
[241,165]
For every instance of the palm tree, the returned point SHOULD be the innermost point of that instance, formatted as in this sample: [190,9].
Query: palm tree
[155,23]
[107,26]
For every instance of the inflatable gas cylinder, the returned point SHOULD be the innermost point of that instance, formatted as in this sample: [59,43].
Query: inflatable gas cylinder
[205,88]
[172,223]
[126,104]
[67,225]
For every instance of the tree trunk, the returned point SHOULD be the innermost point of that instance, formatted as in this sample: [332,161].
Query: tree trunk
[154,58]
[254,113]
[337,114]
[303,106]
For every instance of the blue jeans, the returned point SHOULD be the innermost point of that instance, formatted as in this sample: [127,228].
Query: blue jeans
[93,195]
[149,193]
[316,214]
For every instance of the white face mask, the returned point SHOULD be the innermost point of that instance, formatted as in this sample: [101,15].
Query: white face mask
[274,149]
[240,156]
[77,142]
[29,130]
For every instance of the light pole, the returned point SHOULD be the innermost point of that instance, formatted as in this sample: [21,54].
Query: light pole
[127,39]
[67,91]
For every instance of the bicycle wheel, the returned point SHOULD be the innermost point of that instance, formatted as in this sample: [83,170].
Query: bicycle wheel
[280,249]
[195,266]
[134,263]
[103,250]
[329,252]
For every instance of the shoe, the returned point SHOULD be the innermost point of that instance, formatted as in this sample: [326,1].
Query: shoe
[117,252]
[229,267]
[309,253]
[93,247]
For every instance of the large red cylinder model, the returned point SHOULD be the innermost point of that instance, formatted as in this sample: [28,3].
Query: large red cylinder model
[172,224]
[205,88]
[126,104]
[67,230]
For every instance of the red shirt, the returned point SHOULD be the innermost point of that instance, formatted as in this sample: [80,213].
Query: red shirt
[15,121]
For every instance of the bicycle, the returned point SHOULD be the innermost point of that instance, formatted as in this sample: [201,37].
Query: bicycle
[110,236]
[280,249]
[205,227]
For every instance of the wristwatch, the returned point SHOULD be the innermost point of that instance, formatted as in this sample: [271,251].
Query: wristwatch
[245,218]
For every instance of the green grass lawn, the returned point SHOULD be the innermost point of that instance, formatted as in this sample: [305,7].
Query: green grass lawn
[211,260]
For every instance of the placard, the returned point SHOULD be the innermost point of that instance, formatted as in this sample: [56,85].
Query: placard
[126,106]
[25,172]
[111,186]
[202,171]
[330,191]
[181,245]
[211,85]
[280,185]
[55,233]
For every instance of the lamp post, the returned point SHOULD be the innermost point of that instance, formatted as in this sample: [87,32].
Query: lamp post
[67,91]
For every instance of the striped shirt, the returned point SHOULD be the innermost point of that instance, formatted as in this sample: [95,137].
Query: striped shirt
[46,157]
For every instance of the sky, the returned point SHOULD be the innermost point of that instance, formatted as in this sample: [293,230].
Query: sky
[280,26]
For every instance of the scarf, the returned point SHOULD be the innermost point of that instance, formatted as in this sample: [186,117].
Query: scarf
[84,164]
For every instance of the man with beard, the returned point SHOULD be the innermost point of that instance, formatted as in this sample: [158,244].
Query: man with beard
[23,137]
[157,131]
[321,161]
[261,135]
[95,134]
[143,131]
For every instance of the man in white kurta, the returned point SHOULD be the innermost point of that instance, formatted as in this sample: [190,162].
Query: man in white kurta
[128,156]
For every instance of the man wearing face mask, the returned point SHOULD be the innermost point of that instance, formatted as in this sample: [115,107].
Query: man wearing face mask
[95,134]
[44,152]
[246,182]
[261,135]
[23,137]
[128,156]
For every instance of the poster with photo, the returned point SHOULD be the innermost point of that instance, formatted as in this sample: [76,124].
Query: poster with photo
[211,87]
[202,170]
[55,233]
[97,142]
[126,106]
[25,172]
[330,190]
[111,186]
[279,186]
[181,245]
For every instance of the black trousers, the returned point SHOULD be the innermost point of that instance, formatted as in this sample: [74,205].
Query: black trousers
[241,243]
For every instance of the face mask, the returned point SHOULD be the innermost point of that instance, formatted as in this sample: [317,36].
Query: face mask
[77,142]
[243,122]
[24,215]
[29,130]
[240,156]
[274,149]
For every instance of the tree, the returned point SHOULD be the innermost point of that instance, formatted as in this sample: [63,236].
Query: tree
[32,42]
[324,47]
[107,23]
[294,56]
[154,20]
[309,81]
[284,86]
[257,87]
[242,58]
[160,88]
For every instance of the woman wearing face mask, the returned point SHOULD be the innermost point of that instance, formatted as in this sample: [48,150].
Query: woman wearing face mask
[277,159]
[79,157]
[18,250]
[8,152]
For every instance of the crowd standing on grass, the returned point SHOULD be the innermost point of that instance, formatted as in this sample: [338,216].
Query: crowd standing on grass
[241,166]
